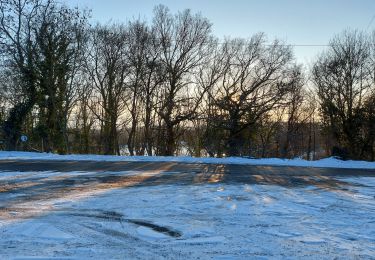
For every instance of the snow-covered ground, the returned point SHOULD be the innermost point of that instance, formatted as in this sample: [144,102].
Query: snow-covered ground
[207,221]
[324,163]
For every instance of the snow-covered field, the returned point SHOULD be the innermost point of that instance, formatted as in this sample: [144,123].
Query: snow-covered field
[207,221]
[324,163]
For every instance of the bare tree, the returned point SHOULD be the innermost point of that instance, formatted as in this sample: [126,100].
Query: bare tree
[255,80]
[368,130]
[342,78]
[295,117]
[84,118]
[107,68]
[184,42]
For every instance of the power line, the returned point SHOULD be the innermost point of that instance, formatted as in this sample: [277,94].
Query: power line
[246,42]
[369,24]
[306,45]
[288,45]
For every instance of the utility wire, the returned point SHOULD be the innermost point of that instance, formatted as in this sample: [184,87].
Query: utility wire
[289,45]
[369,24]
[269,44]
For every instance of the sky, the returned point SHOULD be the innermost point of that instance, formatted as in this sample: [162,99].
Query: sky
[298,22]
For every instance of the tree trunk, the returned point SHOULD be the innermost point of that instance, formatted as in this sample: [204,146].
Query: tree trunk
[131,138]
[234,140]
[234,144]
[170,141]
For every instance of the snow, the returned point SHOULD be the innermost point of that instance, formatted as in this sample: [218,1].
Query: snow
[147,232]
[323,163]
[207,221]
[44,231]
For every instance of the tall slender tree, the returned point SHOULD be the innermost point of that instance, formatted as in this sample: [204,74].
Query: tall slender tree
[184,40]
[108,68]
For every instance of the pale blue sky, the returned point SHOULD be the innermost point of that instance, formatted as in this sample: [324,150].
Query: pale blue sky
[296,21]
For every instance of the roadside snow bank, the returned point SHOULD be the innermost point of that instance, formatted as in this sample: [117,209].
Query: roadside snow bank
[323,163]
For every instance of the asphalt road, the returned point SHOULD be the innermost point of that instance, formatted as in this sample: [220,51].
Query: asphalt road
[187,173]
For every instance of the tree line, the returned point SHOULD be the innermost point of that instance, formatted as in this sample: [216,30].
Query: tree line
[170,87]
